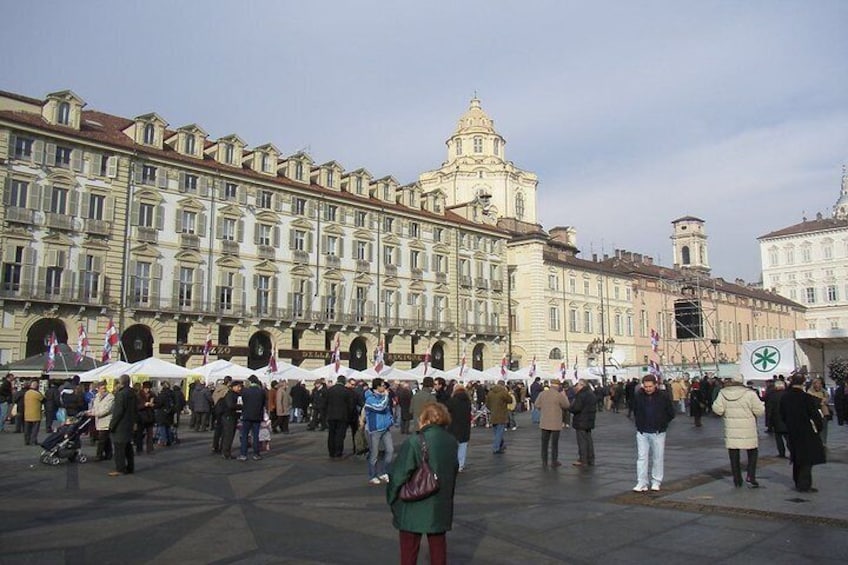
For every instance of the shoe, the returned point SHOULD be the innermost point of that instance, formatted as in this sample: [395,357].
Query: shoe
[811,489]
[556,464]
[513,428]
[752,482]
[500,451]
[640,488]
[577,464]
[114,473]
[257,458]
[242,457]
[384,477]
[655,488]
[375,481]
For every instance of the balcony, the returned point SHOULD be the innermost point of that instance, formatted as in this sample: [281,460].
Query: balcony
[363,266]
[62,294]
[147,235]
[331,261]
[189,241]
[391,270]
[417,274]
[97,227]
[497,286]
[266,252]
[20,215]
[481,283]
[442,278]
[301,257]
[230,247]
[465,280]
[58,221]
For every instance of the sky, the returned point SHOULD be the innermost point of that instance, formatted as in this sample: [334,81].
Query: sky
[632,114]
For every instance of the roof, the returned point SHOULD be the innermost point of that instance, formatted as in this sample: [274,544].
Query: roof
[21,98]
[808,226]
[687,219]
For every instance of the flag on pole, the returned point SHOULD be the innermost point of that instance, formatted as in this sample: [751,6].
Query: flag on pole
[52,350]
[337,355]
[462,364]
[378,358]
[655,340]
[272,359]
[427,360]
[110,341]
[575,368]
[532,372]
[654,369]
[503,366]
[207,347]
[562,371]
[82,345]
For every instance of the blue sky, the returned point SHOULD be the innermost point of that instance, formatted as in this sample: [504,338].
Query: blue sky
[631,113]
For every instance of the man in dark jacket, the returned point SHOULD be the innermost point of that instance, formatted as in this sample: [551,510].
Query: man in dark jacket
[319,407]
[800,412]
[404,400]
[300,402]
[121,428]
[51,405]
[340,407]
[253,407]
[778,426]
[229,412]
[584,407]
[653,411]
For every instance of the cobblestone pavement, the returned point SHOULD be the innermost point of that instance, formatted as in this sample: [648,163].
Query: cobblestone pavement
[184,505]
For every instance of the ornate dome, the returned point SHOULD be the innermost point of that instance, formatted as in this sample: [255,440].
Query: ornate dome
[475,120]
[840,209]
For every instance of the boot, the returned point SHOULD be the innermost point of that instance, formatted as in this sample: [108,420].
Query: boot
[751,475]
[735,467]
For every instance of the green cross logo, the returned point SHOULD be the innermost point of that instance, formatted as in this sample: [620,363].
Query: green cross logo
[765,359]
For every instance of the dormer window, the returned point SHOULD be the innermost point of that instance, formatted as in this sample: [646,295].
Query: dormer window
[359,186]
[149,134]
[189,145]
[229,153]
[478,144]
[265,166]
[386,192]
[298,171]
[330,178]
[64,114]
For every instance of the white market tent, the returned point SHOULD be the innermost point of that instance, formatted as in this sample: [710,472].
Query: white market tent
[107,371]
[153,368]
[468,374]
[329,373]
[221,368]
[389,373]
[494,374]
[524,374]
[292,373]
[418,371]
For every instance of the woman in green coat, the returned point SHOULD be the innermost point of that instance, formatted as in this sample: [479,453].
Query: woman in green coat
[432,515]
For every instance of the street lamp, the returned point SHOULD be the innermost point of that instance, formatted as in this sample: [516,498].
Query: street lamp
[602,346]
[715,343]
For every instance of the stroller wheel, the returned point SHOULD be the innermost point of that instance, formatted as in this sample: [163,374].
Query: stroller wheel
[81,458]
[55,460]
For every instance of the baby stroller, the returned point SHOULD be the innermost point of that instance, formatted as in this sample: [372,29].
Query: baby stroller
[480,417]
[65,442]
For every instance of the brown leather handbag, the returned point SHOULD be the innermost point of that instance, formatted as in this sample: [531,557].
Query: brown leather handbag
[424,481]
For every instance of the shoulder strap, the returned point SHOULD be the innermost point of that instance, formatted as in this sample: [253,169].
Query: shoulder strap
[424,450]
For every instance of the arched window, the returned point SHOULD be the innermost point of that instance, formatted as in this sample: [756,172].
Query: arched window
[189,145]
[684,255]
[478,144]
[496,146]
[229,153]
[519,206]
[459,147]
[64,117]
[149,134]
[555,353]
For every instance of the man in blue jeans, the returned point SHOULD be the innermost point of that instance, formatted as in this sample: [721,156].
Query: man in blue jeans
[378,426]
[498,400]
[652,410]
[253,406]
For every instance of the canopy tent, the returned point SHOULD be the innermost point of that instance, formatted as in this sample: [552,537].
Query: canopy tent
[107,371]
[223,368]
[418,371]
[65,364]
[153,368]
[292,373]
[389,373]
[329,373]
[494,374]
[468,374]
[524,374]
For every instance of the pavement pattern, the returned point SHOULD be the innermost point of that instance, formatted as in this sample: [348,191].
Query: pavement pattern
[185,505]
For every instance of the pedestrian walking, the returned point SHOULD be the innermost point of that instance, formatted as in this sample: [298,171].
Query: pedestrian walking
[739,407]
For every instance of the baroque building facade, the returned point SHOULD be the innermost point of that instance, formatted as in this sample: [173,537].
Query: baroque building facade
[175,236]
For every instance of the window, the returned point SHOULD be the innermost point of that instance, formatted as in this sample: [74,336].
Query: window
[298,171]
[414,230]
[141,283]
[18,191]
[332,243]
[496,146]
[441,264]
[298,297]
[264,234]
[148,174]
[188,222]
[331,301]
[388,303]
[361,251]
[553,319]
[388,255]
[145,215]
[387,192]
[59,201]
[64,114]
[387,224]
[810,295]
[12,271]
[619,329]
[827,252]
[519,206]
[459,147]
[189,145]
[773,260]
[572,285]
[414,259]
[359,303]
[331,178]
[264,199]
[190,183]
[478,144]
[438,234]
[572,320]
[90,277]
[23,148]
[225,292]
[832,293]
[230,191]
[587,322]
[439,305]
[586,287]
[229,229]
[299,240]
[263,295]
[806,255]
[96,203]
[330,212]
[229,153]
[63,157]
[359,218]
[358,186]
[790,256]
[553,282]
[186,285]
[616,292]
[299,206]
[149,134]
[265,164]
[53,281]
[834,324]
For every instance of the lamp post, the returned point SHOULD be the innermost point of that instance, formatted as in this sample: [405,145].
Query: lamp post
[602,346]
[716,342]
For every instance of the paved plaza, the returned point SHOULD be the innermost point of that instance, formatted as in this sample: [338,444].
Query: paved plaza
[185,505]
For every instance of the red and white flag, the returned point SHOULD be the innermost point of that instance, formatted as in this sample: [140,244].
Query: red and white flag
[378,358]
[110,340]
[503,366]
[52,351]
[207,347]
[575,368]
[272,359]
[462,364]
[82,345]
[427,360]
[337,355]
[655,340]
[562,371]
[532,372]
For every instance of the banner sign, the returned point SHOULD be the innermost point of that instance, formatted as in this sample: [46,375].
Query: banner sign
[765,358]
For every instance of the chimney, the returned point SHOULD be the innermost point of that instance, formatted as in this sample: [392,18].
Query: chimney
[595,257]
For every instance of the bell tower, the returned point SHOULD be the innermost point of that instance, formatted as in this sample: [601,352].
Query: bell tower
[689,244]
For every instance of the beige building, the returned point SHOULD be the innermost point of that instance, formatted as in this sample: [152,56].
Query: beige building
[175,235]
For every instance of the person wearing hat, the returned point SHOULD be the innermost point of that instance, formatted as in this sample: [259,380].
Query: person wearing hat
[739,407]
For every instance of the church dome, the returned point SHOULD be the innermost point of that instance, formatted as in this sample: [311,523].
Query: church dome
[840,209]
[475,120]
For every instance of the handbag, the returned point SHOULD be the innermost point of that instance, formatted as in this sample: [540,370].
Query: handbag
[424,481]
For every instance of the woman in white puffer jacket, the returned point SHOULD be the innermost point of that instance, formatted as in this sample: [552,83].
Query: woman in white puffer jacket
[739,407]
